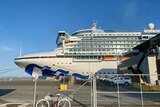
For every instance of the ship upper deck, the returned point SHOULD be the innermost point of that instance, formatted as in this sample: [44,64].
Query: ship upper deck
[87,31]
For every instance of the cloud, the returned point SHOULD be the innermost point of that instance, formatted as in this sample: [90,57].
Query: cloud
[6,48]
[130,11]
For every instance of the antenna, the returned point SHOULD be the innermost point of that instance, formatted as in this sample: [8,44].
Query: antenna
[20,51]
[94,25]
[96,21]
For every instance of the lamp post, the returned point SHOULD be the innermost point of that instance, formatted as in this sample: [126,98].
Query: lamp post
[117,55]
[117,60]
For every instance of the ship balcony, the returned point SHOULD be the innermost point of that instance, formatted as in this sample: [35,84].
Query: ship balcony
[83,60]
[105,47]
[94,53]
[110,40]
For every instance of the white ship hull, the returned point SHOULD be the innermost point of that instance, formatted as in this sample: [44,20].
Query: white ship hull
[84,67]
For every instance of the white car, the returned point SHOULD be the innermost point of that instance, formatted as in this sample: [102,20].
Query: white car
[108,78]
[121,80]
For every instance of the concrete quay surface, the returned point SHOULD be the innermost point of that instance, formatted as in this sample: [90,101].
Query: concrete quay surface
[19,93]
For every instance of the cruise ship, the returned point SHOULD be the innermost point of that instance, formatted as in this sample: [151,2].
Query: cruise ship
[85,52]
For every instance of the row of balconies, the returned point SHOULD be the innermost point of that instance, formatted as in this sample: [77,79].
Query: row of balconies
[99,39]
[114,34]
[95,53]
[104,47]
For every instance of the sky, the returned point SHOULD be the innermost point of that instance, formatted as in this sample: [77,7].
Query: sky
[33,24]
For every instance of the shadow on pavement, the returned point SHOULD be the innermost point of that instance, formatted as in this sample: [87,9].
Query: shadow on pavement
[6,91]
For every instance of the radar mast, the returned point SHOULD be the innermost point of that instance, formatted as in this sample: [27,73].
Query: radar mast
[94,26]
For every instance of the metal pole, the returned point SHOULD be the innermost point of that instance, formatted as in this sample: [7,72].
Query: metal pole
[119,103]
[141,91]
[91,91]
[117,58]
[94,92]
[91,84]
[35,92]
[64,78]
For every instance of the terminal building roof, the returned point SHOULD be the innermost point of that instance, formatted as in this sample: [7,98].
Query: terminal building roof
[145,46]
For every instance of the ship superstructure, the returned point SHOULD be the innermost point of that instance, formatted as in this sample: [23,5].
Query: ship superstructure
[99,44]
